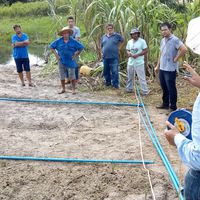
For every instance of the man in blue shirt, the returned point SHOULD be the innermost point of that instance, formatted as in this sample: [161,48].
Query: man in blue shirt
[171,50]
[20,42]
[77,36]
[66,50]
[189,150]
[110,49]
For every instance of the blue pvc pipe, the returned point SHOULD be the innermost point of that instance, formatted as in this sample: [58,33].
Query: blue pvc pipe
[158,146]
[159,152]
[156,138]
[166,162]
[75,160]
[69,102]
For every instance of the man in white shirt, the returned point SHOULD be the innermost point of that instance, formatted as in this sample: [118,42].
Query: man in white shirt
[136,49]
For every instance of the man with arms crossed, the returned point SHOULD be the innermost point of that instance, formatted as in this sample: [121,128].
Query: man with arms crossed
[20,42]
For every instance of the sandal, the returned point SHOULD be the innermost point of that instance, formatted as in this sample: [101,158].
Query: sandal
[31,85]
[63,91]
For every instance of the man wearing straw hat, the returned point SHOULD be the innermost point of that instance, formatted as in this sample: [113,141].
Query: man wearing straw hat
[66,50]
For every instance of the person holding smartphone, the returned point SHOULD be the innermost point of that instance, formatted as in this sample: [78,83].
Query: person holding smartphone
[189,150]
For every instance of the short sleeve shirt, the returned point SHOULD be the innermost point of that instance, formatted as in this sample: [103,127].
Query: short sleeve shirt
[76,32]
[20,52]
[136,47]
[168,51]
[67,50]
[110,45]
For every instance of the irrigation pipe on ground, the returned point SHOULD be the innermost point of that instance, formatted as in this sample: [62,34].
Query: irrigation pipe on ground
[68,102]
[158,146]
[75,160]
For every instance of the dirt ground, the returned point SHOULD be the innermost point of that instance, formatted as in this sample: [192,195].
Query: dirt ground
[77,131]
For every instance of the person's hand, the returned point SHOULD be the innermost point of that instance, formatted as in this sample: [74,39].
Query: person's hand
[175,59]
[75,55]
[195,79]
[156,68]
[57,57]
[170,134]
[135,56]
[129,54]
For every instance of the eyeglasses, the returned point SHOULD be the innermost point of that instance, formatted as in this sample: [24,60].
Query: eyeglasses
[109,28]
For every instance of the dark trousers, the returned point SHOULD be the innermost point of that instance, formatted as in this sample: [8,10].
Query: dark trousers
[168,85]
[192,185]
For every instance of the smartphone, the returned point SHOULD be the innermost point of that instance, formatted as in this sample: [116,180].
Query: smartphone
[185,73]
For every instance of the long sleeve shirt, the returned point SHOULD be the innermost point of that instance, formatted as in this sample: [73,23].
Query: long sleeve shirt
[189,151]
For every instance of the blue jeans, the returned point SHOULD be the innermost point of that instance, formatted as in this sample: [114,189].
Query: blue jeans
[168,85]
[111,72]
[192,185]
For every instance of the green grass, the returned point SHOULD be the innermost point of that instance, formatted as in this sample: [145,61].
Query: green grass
[36,20]
[43,30]
[38,8]
[40,29]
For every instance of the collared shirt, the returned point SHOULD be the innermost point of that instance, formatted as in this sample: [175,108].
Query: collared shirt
[110,45]
[189,151]
[168,51]
[76,32]
[67,50]
[20,52]
[136,47]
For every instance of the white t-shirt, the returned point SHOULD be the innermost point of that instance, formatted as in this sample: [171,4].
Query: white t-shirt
[136,47]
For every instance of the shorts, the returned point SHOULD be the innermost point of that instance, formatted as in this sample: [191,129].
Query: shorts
[62,72]
[22,64]
[71,73]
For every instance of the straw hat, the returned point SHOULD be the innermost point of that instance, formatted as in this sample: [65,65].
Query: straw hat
[65,29]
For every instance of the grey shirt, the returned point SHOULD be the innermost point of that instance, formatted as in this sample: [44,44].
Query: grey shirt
[76,32]
[168,51]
